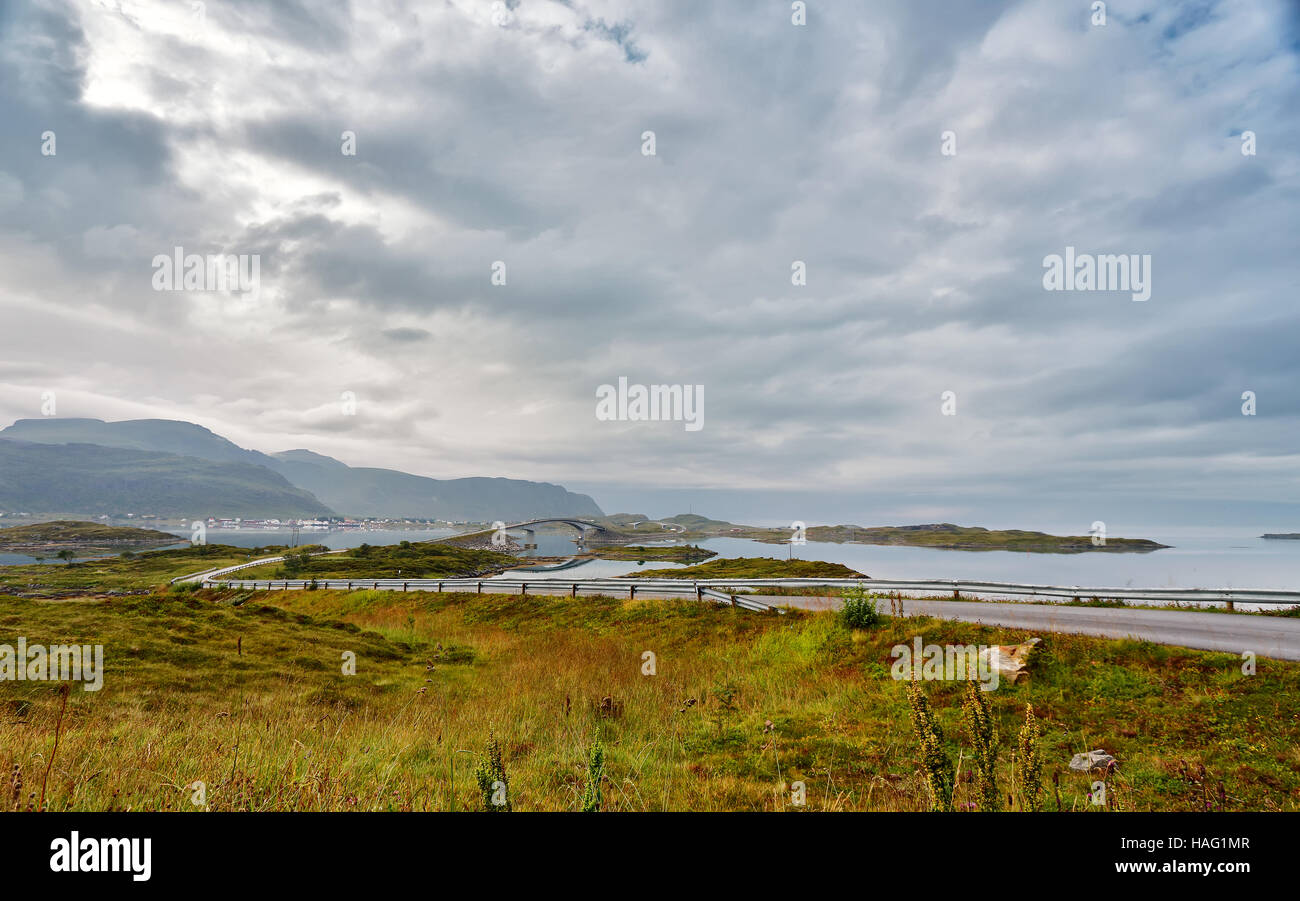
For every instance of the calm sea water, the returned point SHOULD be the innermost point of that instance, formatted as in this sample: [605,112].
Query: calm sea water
[264,537]
[337,539]
[1194,561]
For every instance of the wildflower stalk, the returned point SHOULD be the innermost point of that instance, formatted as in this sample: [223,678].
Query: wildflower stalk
[983,729]
[493,783]
[935,763]
[1031,765]
[591,795]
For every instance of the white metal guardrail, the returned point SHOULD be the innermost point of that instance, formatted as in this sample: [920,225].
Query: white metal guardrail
[715,588]
[223,570]
[604,586]
[212,574]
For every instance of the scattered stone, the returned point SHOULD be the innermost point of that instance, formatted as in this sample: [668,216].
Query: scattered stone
[1097,761]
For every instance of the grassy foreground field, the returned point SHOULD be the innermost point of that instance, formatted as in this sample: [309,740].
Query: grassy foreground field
[245,692]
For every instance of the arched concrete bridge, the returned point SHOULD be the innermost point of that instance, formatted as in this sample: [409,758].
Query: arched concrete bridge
[580,524]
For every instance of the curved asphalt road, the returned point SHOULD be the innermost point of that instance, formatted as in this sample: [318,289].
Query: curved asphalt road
[1267,636]
[1233,633]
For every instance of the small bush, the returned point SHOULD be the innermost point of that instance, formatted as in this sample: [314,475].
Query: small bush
[859,610]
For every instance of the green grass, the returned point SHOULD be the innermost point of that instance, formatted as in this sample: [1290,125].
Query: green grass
[250,698]
[127,571]
[417,560]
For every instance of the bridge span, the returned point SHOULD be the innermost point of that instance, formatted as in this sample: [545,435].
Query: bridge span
[582,526]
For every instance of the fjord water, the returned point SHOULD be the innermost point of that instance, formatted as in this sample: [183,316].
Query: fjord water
[333,539]
[264,537]
[1195,560]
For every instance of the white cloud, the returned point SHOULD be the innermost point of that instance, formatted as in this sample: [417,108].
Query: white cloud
[478,143]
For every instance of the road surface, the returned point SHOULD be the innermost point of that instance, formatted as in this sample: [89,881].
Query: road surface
[1266,636]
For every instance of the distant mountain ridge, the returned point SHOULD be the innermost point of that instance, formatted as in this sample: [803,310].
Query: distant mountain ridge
[168,436]
[332,485]
[91,479]
[364,491]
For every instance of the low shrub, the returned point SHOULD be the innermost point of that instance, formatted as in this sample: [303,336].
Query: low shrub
[859,610]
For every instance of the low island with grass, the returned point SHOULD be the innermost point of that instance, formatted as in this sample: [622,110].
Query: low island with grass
[948,536]
[67,533]
[674,553]
[753,568]
[941,535]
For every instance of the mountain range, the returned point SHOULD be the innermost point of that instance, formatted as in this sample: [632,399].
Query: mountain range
[175,468]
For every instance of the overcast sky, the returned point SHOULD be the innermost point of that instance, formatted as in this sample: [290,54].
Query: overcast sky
[487,134]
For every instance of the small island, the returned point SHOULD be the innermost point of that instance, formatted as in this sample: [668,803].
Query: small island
[753,568]
[1283,535]
[948,536]
[67,534]
[942,535]
[672,553]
